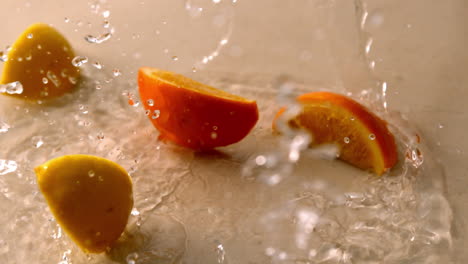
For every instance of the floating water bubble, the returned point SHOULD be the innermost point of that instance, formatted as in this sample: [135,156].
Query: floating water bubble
[221,253]
[78,61]
[37,141]
[150,102]
[194,69]
[106,24]
[66,19]
[3,56]
[91,173]
[147,112]
[100,136]
[175,58]
[99,39]
[11,88]
[372,136]
[45,80]
[215,128]
[216,1]
[106,13]
[116,72]
[260,160]
[7,166]
[346,140]
[30,36]
[4,127]
[156,114]
[368,45]
[97,65]
[132,258]
[214,135]
[52,77]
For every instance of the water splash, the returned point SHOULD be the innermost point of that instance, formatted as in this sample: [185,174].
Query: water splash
[11,88]
[98,39]
[7,166]
[79,61]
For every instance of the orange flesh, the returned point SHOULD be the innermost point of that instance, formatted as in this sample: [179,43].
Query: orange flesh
[333,118]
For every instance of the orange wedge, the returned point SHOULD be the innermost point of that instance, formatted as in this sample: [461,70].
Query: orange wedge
[193,114]
[363,138]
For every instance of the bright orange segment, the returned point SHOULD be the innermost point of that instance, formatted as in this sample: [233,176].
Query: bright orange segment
[363,138]
[193,114]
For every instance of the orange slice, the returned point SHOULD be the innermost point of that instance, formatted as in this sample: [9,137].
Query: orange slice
[363,138]
[41,60]
[193,114]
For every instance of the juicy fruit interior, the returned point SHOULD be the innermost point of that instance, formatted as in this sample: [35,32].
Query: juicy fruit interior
[342,128]
[90,197]
[41,53]
[178,80]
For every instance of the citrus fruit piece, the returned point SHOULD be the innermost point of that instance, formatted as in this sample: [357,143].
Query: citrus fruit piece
[362,137]
[41,60]
[193,114]
[90,197]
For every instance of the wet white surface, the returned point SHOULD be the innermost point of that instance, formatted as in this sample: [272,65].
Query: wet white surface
[201,208]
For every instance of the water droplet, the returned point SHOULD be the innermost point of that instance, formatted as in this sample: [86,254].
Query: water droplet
[3,56]
[106,13]
[270,251]
[372,137]
[216,1]
[52,77]
[39,46]
[66,19]
[78,61]
[147,112]
[4,127]
[214,135]
[28,57]
[7,166]
[72,80]
[368,45]
[97,65]
[99,39]
[132,258]
[156,114]
[20,59]
[135,212]
[194,69]
[215,128]
[98,87]
[45,80]
[116,72]
[106,24]
[221,253]
[100,136]
[346,140]
[91,173]
[150,102]
[29,36]
[223,42]
[441,126]
[37,141]
[260,160]
[11,88]
[175,58]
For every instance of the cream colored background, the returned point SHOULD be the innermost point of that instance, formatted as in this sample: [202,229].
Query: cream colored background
[420,50]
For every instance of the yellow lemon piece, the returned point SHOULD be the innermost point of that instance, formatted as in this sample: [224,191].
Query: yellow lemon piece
[41,60]
[90,197]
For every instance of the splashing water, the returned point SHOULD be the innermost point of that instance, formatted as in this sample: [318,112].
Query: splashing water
[11,88]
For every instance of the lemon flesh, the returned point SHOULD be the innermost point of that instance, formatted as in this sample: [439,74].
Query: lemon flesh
[90,197]
[41,60]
